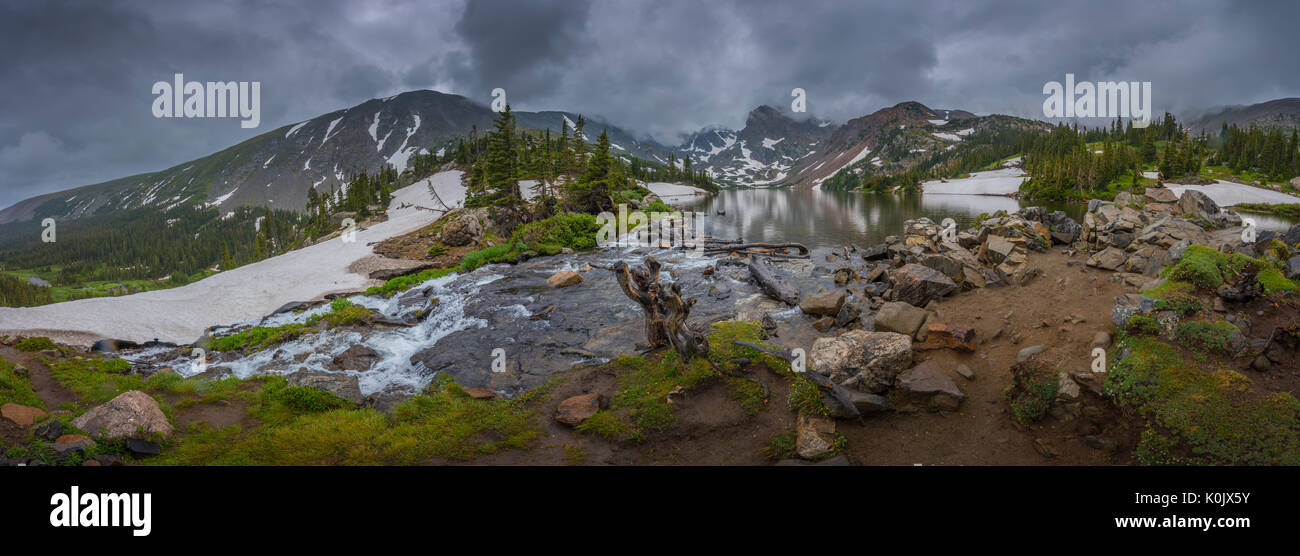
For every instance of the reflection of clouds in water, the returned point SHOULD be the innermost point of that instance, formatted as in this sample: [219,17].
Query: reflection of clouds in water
[1267,221]
[970,204]
[826,218]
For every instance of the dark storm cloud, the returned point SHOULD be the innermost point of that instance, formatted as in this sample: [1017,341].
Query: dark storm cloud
[75,104]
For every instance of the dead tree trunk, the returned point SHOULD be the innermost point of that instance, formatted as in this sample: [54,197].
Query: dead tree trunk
[666,312]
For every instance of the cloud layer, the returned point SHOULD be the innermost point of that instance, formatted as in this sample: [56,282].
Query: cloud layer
[75,108]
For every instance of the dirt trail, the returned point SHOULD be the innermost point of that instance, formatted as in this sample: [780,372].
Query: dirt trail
[982,431]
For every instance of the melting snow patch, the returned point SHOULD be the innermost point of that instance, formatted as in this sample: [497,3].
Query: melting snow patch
[294,129]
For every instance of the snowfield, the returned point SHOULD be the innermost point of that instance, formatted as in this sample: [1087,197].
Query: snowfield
[1226,193]
[1003,181]
[668,190]
[181,315]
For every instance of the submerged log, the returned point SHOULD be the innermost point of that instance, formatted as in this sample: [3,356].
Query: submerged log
[666,311]
[772,284]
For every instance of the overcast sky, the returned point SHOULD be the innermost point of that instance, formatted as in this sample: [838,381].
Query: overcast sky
[75,106]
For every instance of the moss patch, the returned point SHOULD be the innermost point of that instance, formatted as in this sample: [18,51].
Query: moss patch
[1210,417]
[16,388]
[37,343]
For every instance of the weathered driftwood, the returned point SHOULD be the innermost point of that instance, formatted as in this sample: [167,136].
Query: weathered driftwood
[666,311]
[779,250]
[771,283]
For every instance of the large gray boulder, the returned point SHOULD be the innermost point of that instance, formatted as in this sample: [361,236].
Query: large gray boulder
[340,384]
[896,316]
[1198,205]
[919,284]
[129,414]
[861,359]
[465,228]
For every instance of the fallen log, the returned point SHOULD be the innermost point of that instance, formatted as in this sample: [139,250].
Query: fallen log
[772,284]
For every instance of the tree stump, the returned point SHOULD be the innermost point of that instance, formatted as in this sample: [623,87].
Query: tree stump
[666,311]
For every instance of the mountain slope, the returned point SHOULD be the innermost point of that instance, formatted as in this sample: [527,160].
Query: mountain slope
[1283,112]
[761,153]
[276,168]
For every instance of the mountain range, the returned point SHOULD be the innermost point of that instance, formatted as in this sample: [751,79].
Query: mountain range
[774,148]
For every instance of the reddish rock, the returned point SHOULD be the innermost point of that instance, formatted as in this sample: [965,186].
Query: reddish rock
[564,278]
[577,409]
[23,415]
[949,336]
[74,438]
[480,393]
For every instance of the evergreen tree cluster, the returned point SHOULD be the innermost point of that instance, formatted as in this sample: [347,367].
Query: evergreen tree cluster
[1266,151]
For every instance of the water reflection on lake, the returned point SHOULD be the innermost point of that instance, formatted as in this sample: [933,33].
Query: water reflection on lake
[834,218]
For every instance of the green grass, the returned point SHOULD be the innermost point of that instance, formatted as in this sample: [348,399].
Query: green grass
[1208,268]
[494,254]
[100,288]
[1207,337]
[442,422]
[99,380]
[781,446]
[1141,325]
[1211,417]
[36,343]
[1290,210]
[259,337]
[1176,296]
[342,313]
[15,387]
[403,283]
[1034,385]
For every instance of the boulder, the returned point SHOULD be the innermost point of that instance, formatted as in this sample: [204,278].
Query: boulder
[340,384]
[896,316]
[850,311]
[928,387]
[948,265]
[1196,204]
[815,436]
[1293,267]
[919,284]
[50,430]
[564,278]
[824,304]
[130,413]
[1109,258]
[573,411]
[1292,236]
[336,219]
[1161,195]
[862,359]
[22,415]
[997,248]
[951,336]
[358,357]
[1028,352]
[465,229]
[876,253]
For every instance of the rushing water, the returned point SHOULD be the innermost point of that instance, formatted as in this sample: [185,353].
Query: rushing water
[836,218]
